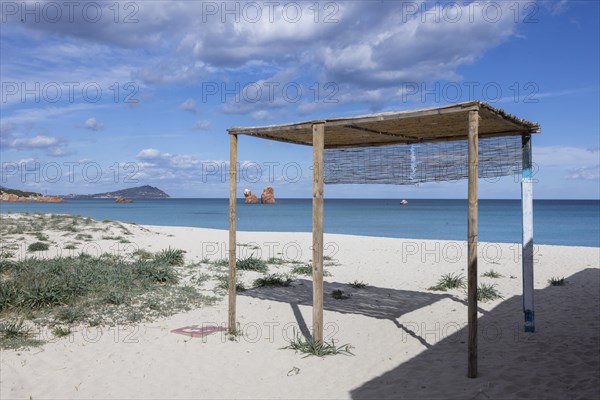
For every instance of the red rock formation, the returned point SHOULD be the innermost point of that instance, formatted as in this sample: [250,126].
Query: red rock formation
[268,195]
[13,198]
[49,199]
[250,198]
[122,200]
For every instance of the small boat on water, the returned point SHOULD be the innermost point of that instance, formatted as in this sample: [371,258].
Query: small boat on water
[404,202]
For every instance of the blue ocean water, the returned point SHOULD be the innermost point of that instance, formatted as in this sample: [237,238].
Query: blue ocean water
[559,222]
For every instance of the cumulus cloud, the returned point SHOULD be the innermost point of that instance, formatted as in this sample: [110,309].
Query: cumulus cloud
[555,7]
[165,72]
[585,173]
[576,162]
[565,156]
[58,151]
[155,157]
[37,142]
[148,154]
[155,164]
[358,45]
[264,115]
[11,139]
[202,125]
[6,131]
[189,106]
[52,146]
[93,125]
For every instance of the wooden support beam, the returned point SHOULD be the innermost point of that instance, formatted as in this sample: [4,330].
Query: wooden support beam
[232,328]
[472,243]
[317,227]
[527,249]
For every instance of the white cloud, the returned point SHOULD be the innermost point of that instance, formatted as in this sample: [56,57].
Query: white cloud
[148,154]
[189,105]
[202,125]
[169,72]
[555,7]
[6,131]
[58,152]
[31,115]
[565,156]
[358,45]
[93,125]
[157,165]
[574,162]
[52,146]
[37,142]
[263,115]
[585,173]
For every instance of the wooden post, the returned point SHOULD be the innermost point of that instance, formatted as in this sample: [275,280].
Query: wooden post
[232,231]
[527,250]
[472,243]
[317,227]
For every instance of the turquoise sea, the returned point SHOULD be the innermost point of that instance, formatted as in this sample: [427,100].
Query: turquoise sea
[559,222]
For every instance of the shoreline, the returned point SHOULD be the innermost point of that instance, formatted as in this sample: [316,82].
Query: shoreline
[408,341]
[305,232]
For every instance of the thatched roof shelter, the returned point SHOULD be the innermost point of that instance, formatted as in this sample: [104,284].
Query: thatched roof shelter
[466,140]
[400,127]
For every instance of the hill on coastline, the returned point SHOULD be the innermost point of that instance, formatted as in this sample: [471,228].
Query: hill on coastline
[140,192]
[19,193]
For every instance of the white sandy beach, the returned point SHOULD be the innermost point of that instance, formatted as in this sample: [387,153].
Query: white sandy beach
[408,342]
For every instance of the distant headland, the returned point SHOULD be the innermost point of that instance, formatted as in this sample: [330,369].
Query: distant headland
[19,196]
[138,193]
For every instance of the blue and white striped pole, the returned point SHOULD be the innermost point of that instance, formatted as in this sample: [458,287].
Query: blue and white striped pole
[527,250]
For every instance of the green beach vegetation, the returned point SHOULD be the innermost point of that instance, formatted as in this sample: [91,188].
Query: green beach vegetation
[53,279]
[449,281]
[94,290]
[311,348]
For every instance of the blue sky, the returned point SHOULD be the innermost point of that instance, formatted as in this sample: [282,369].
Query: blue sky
[99,96]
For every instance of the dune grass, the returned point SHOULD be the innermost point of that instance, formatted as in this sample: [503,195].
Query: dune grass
[276,261]
[273,280]
[252,264]
[339,294]
[61,331]
[220,263]
[223,283]
[358,285]
[487,292]
[556,281]
[449,281]
[170,256]
[306,270]
[38,246]
[14,334]
[312,348]
[492,274]
[105,289]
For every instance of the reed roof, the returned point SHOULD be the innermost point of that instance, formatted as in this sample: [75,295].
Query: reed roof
[438,124]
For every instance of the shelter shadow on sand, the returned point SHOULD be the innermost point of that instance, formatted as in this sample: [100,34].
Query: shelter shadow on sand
[374,302]
[560,360]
